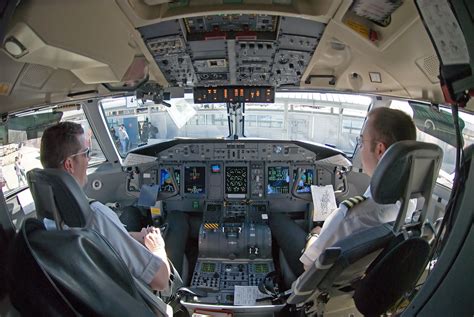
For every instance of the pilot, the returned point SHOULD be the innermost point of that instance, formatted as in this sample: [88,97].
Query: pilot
[383,127]
[64,146]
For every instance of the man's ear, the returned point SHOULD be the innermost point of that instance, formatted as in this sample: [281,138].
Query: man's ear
[67,165]
[380,149]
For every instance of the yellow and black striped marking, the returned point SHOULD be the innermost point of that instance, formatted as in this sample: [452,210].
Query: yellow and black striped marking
[351,202]
[211,226]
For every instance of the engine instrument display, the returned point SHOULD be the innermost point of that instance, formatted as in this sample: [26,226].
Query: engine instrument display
[305,181]
[278,180]
[236,179]
[195,180]
[166,184]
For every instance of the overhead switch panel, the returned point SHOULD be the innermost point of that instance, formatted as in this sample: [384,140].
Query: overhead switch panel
[240,49]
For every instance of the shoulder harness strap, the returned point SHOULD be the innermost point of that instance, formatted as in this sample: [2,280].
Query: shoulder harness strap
[351,202]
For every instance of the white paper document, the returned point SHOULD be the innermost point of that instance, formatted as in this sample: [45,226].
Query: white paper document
[246,295]
[324,201]
[181,112]
[338,160]
[137,159]
[26,201]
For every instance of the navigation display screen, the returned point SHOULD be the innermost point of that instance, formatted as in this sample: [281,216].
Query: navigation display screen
[236,180]
[195,180]
[278,180]
[305,181]
[166,185]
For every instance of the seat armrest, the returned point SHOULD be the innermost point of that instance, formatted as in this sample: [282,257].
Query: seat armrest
[329,256]
[154,302]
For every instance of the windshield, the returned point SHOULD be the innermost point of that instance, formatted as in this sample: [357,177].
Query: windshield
[326,118]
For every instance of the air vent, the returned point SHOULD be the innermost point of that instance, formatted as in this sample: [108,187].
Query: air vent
[430,66]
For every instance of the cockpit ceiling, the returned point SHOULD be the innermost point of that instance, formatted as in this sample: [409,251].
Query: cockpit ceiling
[72,50]
[235,49]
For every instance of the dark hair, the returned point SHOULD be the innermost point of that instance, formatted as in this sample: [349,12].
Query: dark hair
[58,142]
[391,125]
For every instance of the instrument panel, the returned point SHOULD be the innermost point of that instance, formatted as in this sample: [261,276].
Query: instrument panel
[234,94]
[235,185]
[193,172]
[236,178]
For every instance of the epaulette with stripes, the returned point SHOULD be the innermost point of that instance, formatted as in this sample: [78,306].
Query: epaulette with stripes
[351,202]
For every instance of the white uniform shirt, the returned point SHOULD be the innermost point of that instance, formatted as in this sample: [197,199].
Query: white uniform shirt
[341,224]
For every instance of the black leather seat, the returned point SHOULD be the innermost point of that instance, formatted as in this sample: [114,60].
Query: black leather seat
[58,197]
[7,232]
[359,263]
[72,273]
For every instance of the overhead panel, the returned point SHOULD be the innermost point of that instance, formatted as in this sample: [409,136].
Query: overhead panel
[237,49]
[297,41]
[166,43]
[210,61]
[231,23]
[254,61]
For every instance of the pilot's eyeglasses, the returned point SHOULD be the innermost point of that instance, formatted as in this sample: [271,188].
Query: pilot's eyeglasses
[360,141]
[86,152]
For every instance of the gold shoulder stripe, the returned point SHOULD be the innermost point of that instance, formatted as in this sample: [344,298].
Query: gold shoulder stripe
[351,202]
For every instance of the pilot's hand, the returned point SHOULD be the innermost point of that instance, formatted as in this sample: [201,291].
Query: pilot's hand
[316,230]
[154,241]
[150,229]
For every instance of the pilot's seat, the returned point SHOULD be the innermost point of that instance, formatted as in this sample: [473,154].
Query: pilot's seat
[380,264]
[59,197]
[74,273]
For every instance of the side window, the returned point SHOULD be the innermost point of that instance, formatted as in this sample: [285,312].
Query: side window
[438,127]
[22,151]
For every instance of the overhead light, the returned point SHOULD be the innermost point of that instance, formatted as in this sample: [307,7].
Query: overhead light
[14,47]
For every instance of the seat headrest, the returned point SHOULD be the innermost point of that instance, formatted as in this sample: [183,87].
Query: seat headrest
[54,189]
[406,167]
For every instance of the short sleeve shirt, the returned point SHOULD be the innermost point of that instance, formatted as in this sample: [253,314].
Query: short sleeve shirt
[341,224]
[142,263]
